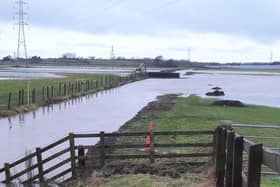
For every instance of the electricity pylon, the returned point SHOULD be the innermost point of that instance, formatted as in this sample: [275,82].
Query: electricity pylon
[112,53]
[21,29]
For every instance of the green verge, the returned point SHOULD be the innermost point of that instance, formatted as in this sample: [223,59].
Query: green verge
[195,113]
[14,86]
[7,86]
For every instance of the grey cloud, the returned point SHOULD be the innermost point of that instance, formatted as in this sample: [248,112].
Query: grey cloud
[257,19]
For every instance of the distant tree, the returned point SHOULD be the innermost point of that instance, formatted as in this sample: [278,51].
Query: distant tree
[7,58]
[69,56]
[158,60]
[35,59]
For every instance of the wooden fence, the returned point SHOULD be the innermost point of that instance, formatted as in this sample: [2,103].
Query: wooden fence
[49,93]
[230,147]
[74,153]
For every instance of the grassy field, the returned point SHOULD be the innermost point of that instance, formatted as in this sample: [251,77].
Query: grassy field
[14,86]
[194,113]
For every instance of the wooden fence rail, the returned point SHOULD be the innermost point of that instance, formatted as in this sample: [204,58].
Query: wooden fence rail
[69,149]
[230,147]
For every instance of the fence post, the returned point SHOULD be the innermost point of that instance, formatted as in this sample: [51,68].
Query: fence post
[81,156]
[254,165]
[43,93]
[220,157]
[152,151]
[59,89]
[64,94]
[229,158]
[73,155]
[48,93]
[7,173]
[40,165]
[72,88]
[237,161]
[22,97]
[19,97]
[102,149]
[9,101]
[69,87]
[33,96]
[52,92]
[215,146]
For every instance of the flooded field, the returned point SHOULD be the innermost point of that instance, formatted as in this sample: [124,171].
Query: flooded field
[53,71]
[109,110]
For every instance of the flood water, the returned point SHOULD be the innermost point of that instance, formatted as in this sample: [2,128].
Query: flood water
[108,111]
[35,72]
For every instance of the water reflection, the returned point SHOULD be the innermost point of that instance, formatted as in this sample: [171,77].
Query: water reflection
[65,104]
[108,110]
[21,119]
[34,114]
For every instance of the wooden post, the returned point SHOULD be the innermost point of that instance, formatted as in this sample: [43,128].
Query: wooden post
[237,161]
[33,96]
[79,86]
[102,149]
[220,157]
[229,158]
[59,89]
[19,97]
[52,93]
[81,156]
[64,94]
[7,173]
[69,87]
[73,155]
[254,165]
[152,152]
[226,124]
[43,94]
[48,93]
[9,101]
[215,146]
[72,88]
[40,165]
[22,97]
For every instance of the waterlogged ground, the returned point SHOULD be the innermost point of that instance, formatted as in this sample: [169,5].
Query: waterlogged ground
[108,111]
[54,71]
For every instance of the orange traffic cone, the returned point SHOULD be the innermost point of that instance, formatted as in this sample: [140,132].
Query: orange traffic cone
[148,142]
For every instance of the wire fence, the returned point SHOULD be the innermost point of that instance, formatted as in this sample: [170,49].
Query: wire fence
[49,94]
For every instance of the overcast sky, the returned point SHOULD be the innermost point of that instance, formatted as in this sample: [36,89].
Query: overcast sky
[215,30]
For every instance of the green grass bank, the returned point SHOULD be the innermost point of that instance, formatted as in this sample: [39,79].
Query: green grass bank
[171,113]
